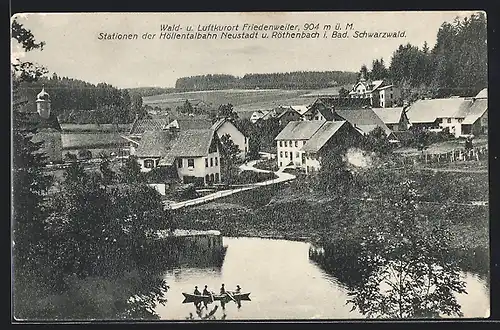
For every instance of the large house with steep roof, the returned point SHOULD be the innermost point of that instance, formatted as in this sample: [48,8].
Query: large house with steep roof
[140,126]
[380,93]
[301,143]
[192,153]
[462,116]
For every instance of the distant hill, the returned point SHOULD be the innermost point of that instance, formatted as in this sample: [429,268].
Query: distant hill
[150,91]
[286,80]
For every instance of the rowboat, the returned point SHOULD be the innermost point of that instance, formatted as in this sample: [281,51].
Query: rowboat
[189,297]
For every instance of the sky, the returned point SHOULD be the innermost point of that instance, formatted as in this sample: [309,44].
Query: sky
[73,49]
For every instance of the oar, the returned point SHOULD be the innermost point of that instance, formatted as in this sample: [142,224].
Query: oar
[230,296]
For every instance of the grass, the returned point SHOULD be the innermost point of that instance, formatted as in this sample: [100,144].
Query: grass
[442,147]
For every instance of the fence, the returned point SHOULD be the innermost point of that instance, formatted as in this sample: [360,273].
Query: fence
[475,154]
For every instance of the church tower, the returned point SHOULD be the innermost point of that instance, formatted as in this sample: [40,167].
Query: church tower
[43,104]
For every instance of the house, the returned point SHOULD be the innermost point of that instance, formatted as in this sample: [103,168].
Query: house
[192,154]
[476,116]
[323,108]
[256,115]
[285,115]
[364,120]
[291,139]
[394,118]
[379,92]
[224,126]
[140,126]
[439,114]
[302,143]
[48,129]
[332,134]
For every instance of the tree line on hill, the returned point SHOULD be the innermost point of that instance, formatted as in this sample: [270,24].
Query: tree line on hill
[456,65]
[285,80]
[80,102]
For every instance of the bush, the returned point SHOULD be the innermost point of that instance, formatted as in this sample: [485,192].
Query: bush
[70,157]
[84,154]
[253,177]
[269,164]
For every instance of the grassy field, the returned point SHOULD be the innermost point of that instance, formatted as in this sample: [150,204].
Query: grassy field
[442,147]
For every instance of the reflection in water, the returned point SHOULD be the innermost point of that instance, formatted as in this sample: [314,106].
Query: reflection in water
[206,312]
[284,284]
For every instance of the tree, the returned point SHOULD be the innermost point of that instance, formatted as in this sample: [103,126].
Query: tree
[227,111]
[363,73]
[30,183]
[131,170]
[413,275]
[343,92]
[137,107]
[186,108]
[229,157]
[379,70]
[108,175]
[378,142]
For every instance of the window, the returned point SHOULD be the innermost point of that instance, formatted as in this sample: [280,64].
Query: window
[286,153]
[281,143]
[211,162]
[190,162]
[296,143]
[149,163]
[179,163]
[448,120]
[206,162]
[297,155]
[392,95]
[286,143]
[382,96]
[281,154]
[280,164]
[216,161]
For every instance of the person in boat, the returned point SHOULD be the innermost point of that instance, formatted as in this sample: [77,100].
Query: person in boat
[222,289]
[206,292]
[196,292]
[238,289]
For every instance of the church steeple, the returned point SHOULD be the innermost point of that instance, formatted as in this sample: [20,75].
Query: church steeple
[43,103]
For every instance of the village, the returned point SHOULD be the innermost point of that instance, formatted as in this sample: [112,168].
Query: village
[251,173]
[188,150]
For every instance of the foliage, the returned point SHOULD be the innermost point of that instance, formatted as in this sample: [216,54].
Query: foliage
[70,157]
[77,101]
[130,172]
[186,108]
[229,157]
[108,176]
[227,111]
[457,64]
[412,275]
[378,142]
[84,154]
[343,92]
[30,183]
[249,176]
[379,71]
[160,174]
[287,80]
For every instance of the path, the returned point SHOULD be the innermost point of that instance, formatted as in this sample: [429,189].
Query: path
[282,177]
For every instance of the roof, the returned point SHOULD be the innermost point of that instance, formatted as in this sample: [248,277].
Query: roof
[142,125]
[299,130]
[284,110]
[33,118]
[192,143]
[389,115]
[155,144]
[427,111]
[475,111]
[184,124]
[322,135]
[301,109]
[364,119]
[386,86]
[483,94]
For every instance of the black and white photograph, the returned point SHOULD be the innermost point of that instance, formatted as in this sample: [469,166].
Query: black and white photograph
[249,166]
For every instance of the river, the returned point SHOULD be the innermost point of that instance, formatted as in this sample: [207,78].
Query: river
[284,284]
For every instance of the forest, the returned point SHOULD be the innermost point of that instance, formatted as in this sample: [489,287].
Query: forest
[285,80]
[457,65]
[80,102]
